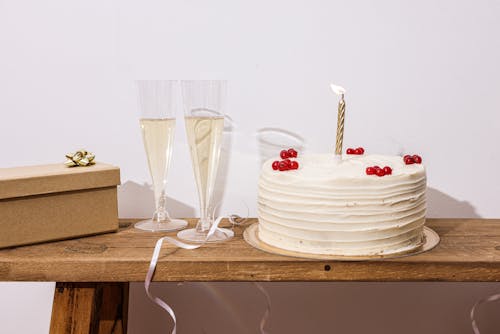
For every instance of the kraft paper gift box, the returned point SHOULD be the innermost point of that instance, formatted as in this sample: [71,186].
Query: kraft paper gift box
[54,202]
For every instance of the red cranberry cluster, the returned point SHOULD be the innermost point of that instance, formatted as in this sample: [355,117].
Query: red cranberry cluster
[376,170]
[356,151]
[286,163]
[412,159]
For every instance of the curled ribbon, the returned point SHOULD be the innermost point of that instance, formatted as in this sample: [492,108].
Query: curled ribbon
[480,302]
[267,313]
[156,253]
[154,261]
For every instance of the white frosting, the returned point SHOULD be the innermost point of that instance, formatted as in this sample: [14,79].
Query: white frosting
[330,205]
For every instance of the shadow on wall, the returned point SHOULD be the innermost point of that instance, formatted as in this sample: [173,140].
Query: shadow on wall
[271,141]
[441,205]
[136,200]
[224,162]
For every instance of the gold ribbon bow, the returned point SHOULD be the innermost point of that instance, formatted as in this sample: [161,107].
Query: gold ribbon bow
[80,158]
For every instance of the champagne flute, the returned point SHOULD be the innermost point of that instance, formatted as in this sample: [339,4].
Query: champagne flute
[157,120]
[204,117]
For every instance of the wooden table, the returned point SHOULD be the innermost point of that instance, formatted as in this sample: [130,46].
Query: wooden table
[93,273]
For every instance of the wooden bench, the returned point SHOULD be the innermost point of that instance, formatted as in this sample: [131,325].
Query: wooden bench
[93,273]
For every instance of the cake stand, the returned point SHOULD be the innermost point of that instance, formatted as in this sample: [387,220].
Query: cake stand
[251,236]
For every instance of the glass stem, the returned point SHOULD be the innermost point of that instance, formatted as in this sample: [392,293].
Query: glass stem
[161,214]
[205,221]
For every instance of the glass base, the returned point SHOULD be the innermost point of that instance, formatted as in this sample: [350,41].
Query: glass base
[191,235]
[152,226]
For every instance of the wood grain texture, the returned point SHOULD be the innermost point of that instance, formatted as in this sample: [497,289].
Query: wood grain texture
[469,251]
[90,308]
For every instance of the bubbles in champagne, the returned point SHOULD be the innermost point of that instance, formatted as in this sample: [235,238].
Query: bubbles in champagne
[158,136]
[205,137]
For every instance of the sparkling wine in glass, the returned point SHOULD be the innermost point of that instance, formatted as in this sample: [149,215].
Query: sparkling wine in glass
[204,118]
[157,121]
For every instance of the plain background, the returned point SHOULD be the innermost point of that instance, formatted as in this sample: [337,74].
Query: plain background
[421,77]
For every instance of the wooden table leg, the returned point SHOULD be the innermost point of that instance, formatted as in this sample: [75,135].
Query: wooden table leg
[90,308]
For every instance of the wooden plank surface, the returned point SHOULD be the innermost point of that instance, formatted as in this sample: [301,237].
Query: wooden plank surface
[90,308]
[469,251]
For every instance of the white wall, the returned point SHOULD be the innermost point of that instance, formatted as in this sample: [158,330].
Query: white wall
[422,76]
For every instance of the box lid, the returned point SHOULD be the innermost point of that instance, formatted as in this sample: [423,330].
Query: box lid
[46,179]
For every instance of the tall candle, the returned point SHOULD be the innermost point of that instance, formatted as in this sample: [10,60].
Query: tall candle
[340,118]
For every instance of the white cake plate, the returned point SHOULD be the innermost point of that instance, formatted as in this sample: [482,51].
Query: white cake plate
[251,236]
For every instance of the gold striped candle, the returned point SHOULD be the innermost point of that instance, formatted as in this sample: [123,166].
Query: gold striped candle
[340,118]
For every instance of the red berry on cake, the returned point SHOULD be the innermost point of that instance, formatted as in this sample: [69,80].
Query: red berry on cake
[282,166]
[294,165]
[409,160]
[276,165]
[380,172]
[370,171]
[284,154]
[292,153]
[350,151]
[287,161]
[359,150]
[387,170]
[417,159]
[376,167]
[406,157]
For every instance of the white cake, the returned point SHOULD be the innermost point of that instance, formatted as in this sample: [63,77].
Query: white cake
[333,207]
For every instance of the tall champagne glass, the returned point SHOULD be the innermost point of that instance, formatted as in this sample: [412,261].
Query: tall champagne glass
[204,118]
[157,120]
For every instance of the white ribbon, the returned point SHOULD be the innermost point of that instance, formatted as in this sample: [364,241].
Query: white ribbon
[480,302]
[180,244]
[266,315]
[154,261]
